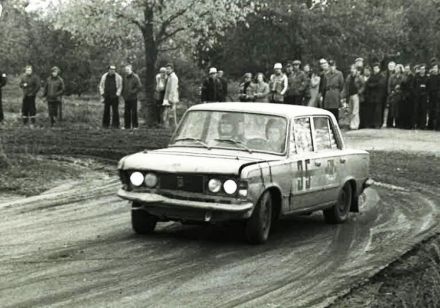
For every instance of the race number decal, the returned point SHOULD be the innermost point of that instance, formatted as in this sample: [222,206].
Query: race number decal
[304,175]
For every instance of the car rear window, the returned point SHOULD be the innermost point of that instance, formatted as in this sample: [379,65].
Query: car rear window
[324,135]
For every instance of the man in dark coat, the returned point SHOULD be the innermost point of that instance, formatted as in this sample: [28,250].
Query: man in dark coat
[375,91]
[224,85]
[434,98]
[331,89]
[297,80]
[212,90]
[30,83]
[3,80]
[131,86]
[247,89]
[53,92]
[406,107]
[420,98]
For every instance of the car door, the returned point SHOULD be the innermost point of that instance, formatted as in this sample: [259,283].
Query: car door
[304,192]
[329,158]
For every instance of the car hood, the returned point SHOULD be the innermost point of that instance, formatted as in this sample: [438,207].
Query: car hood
[193,160]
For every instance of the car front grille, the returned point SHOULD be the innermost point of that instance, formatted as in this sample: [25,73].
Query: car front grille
[183,182]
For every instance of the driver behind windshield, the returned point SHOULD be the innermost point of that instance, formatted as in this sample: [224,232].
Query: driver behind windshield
[230,127]
[275,130]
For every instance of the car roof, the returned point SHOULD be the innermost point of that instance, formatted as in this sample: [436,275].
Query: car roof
[265,108]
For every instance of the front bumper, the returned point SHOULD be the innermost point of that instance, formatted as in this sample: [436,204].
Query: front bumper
[178,209]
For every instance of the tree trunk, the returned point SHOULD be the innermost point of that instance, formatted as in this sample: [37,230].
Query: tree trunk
[149,110]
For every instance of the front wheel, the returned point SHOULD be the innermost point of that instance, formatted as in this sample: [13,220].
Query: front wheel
[258,226]
[142,222]
[339,212]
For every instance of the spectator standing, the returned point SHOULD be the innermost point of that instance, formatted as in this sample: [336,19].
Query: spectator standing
[389,77]
[131,86]
[363,105]
[30,83]
[332,84]
[314,89]
[212,90]
[297,82]
[406,107]
[261,89]
[246,89]
[3,80]
[159,92]
[394,96]
[353,85]
[434,98]
[53,92]
[171,97]
[420,98]
[224,86]
[375,91]
[110,89]
[359,64]
[278,84]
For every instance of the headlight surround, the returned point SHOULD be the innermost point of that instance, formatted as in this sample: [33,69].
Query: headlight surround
[137,178]
[151,180]
[230,187]
[214,185]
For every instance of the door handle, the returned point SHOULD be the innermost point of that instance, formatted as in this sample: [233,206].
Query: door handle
[317,163]
[342,160]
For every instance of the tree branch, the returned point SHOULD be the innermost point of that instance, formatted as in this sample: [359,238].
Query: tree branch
[167,35]
[168,49]
[131,20]
[163,35]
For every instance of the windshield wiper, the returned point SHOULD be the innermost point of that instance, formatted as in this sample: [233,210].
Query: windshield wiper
[235,142]
[199,141]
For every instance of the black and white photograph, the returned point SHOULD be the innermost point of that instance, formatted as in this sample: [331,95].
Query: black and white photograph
[220,153]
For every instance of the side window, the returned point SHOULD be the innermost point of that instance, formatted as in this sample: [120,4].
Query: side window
[303,135]
[324,135]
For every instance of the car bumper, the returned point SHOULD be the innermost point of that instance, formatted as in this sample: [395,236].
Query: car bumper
[178,209]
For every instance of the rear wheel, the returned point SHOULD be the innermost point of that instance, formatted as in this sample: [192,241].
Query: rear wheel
[142,222]
[258,226]
[339,212]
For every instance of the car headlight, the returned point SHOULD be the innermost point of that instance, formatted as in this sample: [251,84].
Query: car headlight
[136,178]
[151,180]
[230,187]
[214,185]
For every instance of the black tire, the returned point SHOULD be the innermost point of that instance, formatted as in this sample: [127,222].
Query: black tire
[142,222]
[339,212]
[258,226]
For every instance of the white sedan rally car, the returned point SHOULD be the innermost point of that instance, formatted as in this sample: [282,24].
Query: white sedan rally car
[252,162]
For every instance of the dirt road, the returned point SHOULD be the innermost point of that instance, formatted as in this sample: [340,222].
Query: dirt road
[73,246]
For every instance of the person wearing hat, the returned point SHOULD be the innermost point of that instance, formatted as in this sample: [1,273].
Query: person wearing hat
[131,86]
[359,64]
[247,89]
[278,84]
[171,97]
[30,83]
[333,84]
[53,92]
[375,92]
[3,80]
[110,88]
[212,89]
[297,83]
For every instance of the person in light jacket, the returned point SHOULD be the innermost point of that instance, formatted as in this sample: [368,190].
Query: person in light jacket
[171,97]
[110,88]
[278,84]
[261,89]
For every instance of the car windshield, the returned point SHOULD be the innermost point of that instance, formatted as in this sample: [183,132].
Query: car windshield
[233,130]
